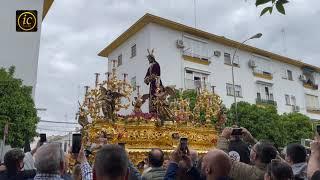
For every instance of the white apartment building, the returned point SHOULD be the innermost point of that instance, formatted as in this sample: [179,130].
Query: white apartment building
[21,47]
[186,55]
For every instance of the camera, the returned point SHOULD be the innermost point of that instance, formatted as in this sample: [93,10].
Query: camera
[236,132]
[184,145]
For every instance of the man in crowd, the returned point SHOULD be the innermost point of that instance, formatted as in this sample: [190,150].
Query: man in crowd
[216,165]
[49,161]
[155,159]
[260,156]
[13,165]
[28,158]
[177,159]
[239,149]
[296,156]
[111,163]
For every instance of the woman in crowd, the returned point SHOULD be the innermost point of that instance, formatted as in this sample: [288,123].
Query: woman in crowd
[278,170]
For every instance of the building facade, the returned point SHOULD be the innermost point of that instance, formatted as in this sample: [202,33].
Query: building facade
[191,58]
[19,46]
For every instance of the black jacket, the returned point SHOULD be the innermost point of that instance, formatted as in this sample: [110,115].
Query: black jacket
[27,174]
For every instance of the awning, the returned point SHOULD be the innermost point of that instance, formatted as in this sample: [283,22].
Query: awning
[198,70]
[264,83]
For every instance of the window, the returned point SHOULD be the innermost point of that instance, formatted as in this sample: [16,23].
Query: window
[264,91]
[263,65]
[133,51]
[120,60]
[312,102]
[289,75]
[227,58]
[258,95]
[237,89]
[293,100]
[195,47]
[287,99]
[134,83]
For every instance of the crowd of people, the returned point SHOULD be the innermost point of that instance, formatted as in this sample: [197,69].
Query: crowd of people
[237,157]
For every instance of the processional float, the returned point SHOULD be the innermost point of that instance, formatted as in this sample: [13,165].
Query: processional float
[161,127]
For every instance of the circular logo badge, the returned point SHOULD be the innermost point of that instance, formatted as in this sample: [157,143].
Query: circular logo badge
[234,156]
[27,21]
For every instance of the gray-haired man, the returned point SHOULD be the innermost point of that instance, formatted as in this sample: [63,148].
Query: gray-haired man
[49,161]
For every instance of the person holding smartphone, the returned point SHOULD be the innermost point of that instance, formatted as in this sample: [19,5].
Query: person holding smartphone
[181,154]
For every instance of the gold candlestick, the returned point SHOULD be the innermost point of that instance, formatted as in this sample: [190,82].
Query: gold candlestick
[97,79]
[108,76]
[138,91]
[86,90]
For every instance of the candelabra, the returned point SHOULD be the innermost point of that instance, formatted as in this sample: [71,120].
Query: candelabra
[103,92]
[207,104]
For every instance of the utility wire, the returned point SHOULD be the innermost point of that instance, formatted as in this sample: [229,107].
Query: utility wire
[61,122]
[57,130]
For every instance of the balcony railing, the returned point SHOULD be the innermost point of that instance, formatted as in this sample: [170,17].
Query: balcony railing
[315,110]
[204,58]
[266,101]
[196,84]
[310,85]
[262,74]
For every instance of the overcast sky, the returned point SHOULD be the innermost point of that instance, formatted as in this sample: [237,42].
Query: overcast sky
[74,31]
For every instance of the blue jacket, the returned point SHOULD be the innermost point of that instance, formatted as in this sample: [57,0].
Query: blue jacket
[172,171]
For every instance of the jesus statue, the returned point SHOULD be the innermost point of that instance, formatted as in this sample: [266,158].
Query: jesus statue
[151,78]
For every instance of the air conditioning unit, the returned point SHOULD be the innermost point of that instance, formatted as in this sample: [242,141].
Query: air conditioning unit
[252,63]
[180,43]
[302,78]
[295,108]
[217,53]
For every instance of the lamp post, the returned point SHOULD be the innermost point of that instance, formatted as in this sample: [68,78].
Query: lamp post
[232,65]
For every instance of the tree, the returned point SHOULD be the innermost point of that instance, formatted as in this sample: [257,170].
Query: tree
[297,126]
[186,94]
[265,123]
[278,3]
[18,108]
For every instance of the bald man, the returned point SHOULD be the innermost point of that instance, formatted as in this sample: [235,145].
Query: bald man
[155,159]
[216,165]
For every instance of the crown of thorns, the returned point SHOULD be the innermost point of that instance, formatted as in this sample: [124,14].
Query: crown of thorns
[150,54]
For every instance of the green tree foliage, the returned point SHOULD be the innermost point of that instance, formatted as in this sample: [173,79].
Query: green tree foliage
[17,107]
[186,94]
[278,3]
[265,123]
[297,126]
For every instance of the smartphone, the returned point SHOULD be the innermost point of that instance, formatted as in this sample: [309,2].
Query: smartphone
[76,143]
[43,138]
[183,145]
[318,129]
[236,131]
[123,145]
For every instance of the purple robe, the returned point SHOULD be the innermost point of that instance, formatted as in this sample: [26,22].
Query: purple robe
[154,69]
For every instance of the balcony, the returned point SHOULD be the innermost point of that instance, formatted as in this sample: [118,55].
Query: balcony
[260,101]
[196,84]
[263,74]
[313,110]
[310,85]
[195,58]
